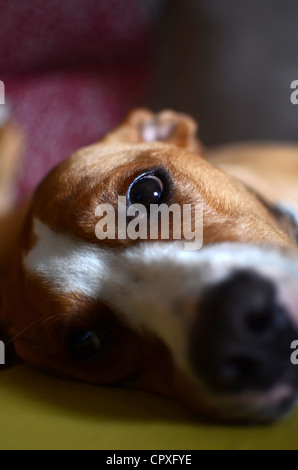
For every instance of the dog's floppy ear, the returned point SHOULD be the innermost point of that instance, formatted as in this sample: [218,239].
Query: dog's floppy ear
[167,126]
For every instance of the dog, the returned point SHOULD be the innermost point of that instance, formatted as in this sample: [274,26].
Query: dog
[212,327]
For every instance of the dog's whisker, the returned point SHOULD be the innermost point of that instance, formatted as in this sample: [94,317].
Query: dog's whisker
[39,321]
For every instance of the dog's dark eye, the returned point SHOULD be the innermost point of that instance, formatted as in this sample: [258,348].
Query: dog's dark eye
[145,190]
[84,344]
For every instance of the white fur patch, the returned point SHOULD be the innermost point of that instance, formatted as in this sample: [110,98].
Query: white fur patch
[68,264]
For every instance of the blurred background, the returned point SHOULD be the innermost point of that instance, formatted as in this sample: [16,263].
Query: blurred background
[73,68]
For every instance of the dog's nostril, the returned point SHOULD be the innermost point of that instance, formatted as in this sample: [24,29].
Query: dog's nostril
[235,371]
[259,321]
[266,321]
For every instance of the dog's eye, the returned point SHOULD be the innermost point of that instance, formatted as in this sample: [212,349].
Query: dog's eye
[84,344]
[145,190]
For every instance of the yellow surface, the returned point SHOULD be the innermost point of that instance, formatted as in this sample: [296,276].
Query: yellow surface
[43,412]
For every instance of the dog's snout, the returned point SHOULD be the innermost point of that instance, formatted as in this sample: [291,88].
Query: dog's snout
[241,340]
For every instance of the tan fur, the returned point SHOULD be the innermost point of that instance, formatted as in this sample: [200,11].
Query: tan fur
[271,169]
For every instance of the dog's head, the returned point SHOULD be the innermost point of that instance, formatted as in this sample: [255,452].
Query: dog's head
[212,327]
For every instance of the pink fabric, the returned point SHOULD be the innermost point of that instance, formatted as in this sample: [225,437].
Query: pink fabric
[72,69]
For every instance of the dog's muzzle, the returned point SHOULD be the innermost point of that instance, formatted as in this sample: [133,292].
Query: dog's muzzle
[228,313]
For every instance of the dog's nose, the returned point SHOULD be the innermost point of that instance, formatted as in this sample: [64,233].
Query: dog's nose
[242,336]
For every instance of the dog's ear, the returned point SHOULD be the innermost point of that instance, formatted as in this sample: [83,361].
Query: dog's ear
[167,126]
